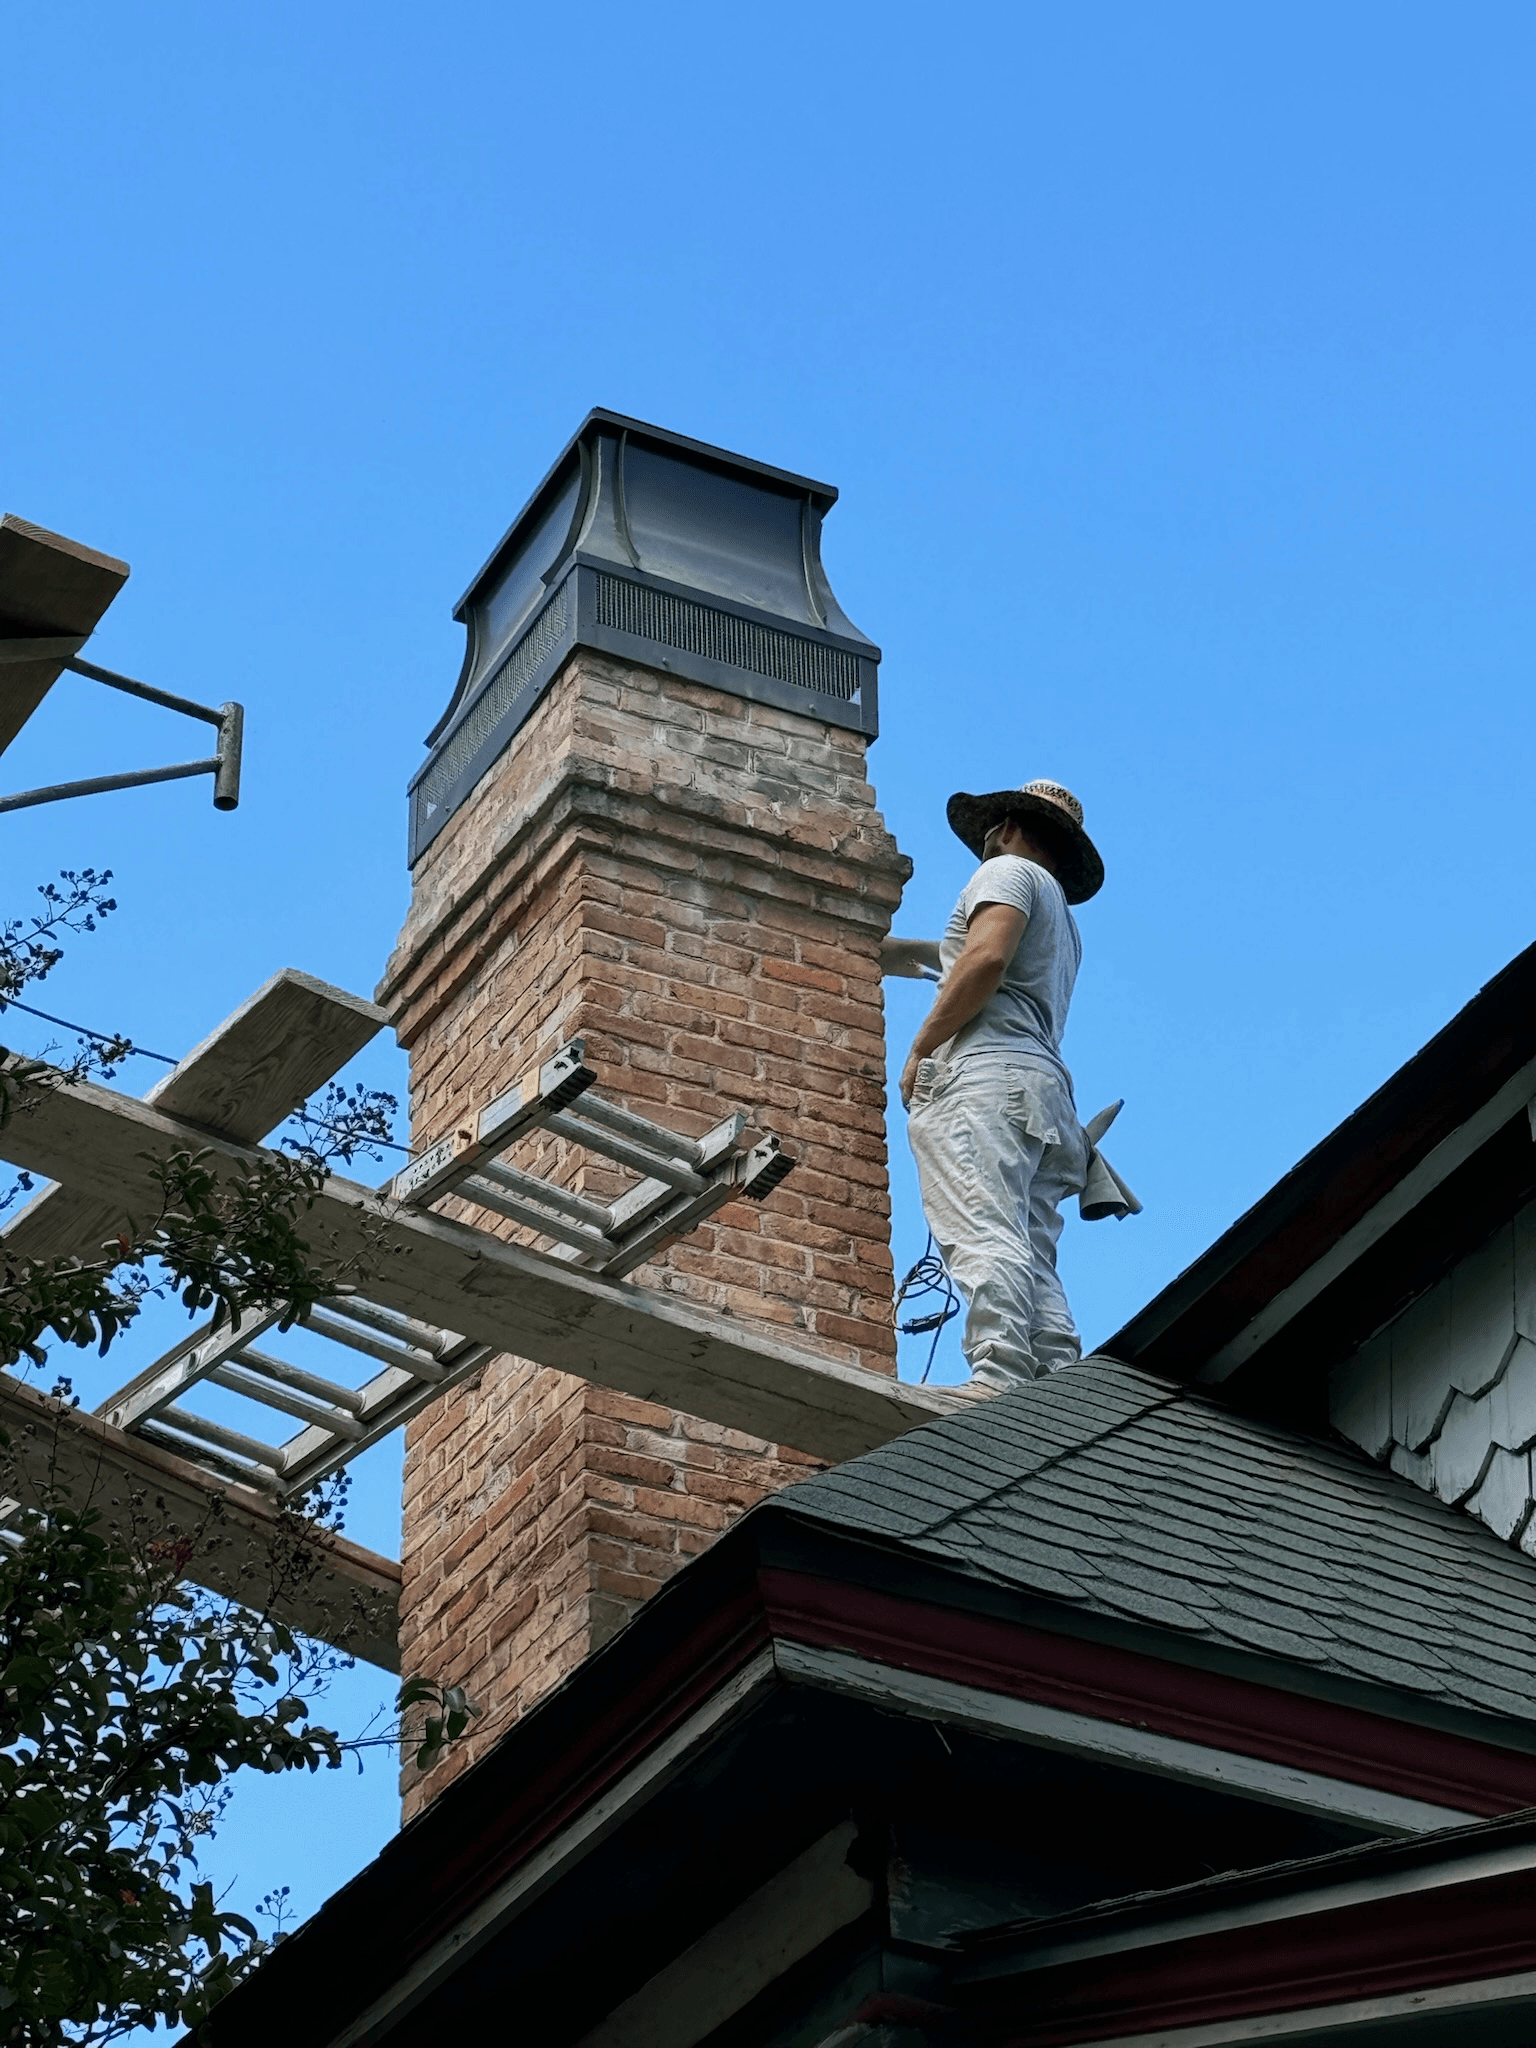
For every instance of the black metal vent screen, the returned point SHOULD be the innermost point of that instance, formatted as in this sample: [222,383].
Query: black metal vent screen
[625,607]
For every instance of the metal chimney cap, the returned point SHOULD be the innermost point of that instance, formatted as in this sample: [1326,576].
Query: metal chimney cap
[662,551]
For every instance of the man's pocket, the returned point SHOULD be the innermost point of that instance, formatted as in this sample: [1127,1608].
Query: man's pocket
[1037,1105]
[923,1084]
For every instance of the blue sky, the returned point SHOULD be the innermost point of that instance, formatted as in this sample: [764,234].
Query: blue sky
[1174,364]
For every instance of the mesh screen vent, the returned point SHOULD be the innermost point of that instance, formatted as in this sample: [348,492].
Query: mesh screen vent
[499,697]
[626,607]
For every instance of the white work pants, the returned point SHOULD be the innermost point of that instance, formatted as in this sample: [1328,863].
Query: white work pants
[998,1148]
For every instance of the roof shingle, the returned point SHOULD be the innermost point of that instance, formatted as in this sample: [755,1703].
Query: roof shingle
[1125,1495]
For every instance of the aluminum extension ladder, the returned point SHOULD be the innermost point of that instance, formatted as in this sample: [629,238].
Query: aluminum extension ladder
[682,1181]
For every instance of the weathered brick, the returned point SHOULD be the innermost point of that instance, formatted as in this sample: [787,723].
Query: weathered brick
[512,1619]
[800,974]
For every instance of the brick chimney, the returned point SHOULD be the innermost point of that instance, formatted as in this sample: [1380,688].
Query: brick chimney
[643,821]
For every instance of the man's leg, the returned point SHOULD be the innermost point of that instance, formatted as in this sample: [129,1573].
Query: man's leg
[1053,1334]
[975,1166]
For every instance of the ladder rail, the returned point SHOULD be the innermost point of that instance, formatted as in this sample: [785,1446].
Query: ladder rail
[763,1164]
[188,1361]
[716,1148]
[526,1106]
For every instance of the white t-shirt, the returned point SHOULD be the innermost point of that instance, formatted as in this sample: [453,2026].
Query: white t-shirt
[1028,1013]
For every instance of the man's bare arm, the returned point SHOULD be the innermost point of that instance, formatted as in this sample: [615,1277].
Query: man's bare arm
[991,939]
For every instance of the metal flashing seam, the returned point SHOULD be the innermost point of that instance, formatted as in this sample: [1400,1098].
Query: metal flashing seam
[492,719]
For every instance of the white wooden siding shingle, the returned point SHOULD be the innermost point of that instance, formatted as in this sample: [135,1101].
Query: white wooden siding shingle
[1446,1394]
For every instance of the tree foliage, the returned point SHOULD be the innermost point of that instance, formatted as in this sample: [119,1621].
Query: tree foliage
[127,1698]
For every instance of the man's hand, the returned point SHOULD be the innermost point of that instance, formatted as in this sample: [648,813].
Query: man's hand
[909,1079]
[913,959]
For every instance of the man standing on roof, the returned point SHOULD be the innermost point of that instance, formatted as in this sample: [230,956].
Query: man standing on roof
[993,1123]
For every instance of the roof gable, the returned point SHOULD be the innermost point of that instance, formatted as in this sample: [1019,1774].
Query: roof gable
[1420,1173]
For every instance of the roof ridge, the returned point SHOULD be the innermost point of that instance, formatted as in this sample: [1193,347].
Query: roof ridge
[981,1501]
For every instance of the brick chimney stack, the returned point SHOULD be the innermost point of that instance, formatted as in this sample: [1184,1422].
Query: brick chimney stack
[644,822]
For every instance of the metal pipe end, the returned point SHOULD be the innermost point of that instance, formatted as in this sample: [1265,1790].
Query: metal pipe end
[226,780]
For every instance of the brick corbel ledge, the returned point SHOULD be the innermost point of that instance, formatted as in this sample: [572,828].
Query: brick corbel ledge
[858,877]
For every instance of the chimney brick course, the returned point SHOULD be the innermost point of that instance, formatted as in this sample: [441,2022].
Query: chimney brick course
[697,886]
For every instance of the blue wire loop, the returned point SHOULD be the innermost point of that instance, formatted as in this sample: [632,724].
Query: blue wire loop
[929,1276]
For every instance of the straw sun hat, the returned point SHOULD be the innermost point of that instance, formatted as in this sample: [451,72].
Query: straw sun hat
[1078,866]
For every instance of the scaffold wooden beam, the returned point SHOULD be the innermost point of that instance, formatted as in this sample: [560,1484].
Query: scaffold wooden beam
[353,1597]
[101,1144]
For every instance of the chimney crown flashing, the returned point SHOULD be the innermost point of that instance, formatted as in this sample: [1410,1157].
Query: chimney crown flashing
[660,550]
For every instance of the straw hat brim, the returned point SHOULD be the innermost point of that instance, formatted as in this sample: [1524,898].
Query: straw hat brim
[1079,869]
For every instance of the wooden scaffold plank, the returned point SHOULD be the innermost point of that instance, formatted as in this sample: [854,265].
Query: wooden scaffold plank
[254,1070]
[282,1044]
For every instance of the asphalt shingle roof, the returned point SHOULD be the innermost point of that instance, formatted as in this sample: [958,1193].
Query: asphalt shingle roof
[1128,1496]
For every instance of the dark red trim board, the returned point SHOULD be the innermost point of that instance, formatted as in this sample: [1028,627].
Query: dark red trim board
[1143,1692]
[1452,1934]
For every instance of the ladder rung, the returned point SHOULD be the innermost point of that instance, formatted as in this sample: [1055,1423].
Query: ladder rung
[532,1189]
[635,1208]
[417,1363]
[153,1431]
[655,1137]
[256,1387]
[394,1322]
[388,1402]
[346,1398]
[568,1125]
[227,1439]
[477,1189]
